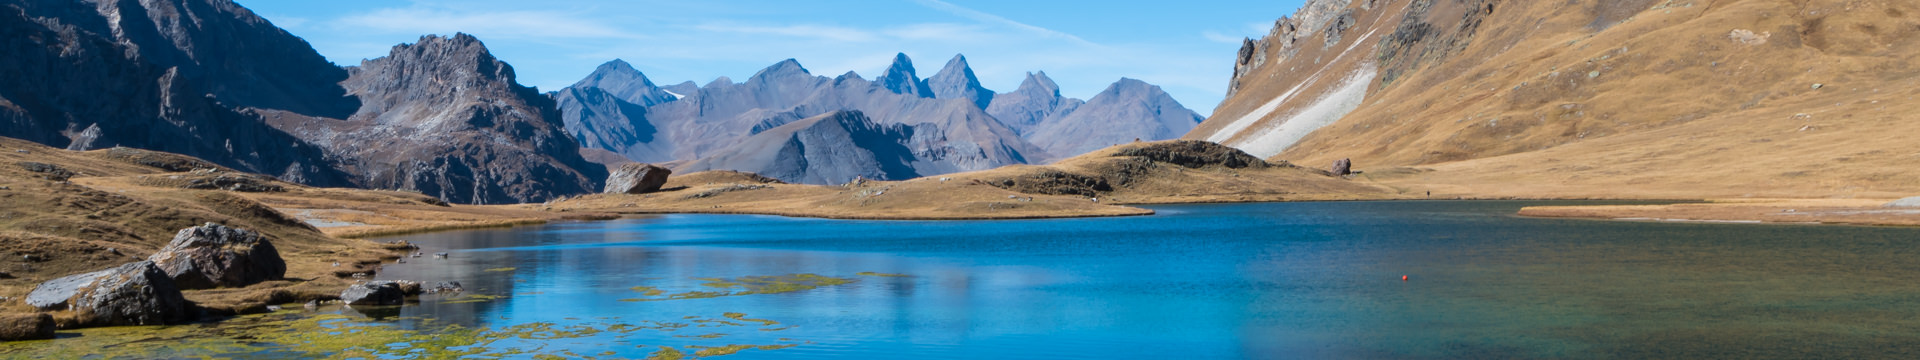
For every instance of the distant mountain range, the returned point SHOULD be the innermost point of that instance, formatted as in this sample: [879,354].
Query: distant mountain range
[442,116]
[942,124]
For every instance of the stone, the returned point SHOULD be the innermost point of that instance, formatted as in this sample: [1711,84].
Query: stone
[1343,167]
[1907,203]
[48,171]
[26,326]
[374,293]
[637,178]
[132,294]
[212,255]
[445,287]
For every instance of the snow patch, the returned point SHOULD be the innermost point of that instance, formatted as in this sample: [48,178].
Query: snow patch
[1324,111]
[676,96]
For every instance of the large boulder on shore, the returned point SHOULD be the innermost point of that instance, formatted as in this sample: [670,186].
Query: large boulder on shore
[375,293]
[1907,203]
[1342,167]
[212,255]
[26,326]
[637,178]
[132,294]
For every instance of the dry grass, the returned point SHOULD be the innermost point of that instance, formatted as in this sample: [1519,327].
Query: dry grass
[1015,192]
[1796,211]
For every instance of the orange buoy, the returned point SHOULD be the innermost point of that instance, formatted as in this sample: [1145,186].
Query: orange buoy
[1403,278]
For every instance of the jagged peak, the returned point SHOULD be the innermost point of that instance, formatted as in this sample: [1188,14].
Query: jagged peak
[615,70]
[1039,83]
[901,79]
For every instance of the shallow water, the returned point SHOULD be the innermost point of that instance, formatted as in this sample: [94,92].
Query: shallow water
[1288,280]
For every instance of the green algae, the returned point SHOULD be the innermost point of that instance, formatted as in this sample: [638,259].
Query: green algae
[338,336]
[876,274]
[746,285]
[743,317]
[473,298]
[647,290]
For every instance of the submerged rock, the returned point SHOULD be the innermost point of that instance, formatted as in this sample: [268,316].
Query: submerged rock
[1909,203]
[637,178]
[132,294]
[374,293]
[212,255]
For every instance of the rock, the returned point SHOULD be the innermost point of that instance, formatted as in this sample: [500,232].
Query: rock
[1907,203]
[445,286]
[26,326]
[212,255]
[1343,167]
[132,294]
[48,171]
[241,183]
[1194,154]
[312,304]
[637,178]
[374,293]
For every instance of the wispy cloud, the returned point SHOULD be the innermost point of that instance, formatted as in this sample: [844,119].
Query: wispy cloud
[980,16]
[496,24]
[822,32]
[1215,36]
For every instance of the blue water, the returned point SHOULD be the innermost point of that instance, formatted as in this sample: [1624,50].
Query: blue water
[1290,280]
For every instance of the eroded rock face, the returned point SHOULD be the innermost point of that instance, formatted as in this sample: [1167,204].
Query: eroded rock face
[132,294]
[212,255]
[1343,167]
[1195,154]
[374,293]
[637,179]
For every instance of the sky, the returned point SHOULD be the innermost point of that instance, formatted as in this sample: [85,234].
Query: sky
[1185,47]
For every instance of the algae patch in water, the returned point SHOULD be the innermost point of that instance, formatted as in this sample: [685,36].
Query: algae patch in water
[339,336]
[746,285]
[504,269]
[473,298]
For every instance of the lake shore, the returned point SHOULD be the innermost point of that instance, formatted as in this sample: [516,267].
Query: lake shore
[1751,211]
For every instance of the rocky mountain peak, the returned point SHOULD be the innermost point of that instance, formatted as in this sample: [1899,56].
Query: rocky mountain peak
[621,80]
[956,81]
[901,79]
[1038,84]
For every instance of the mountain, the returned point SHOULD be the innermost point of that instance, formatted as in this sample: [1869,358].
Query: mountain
[833,148]
[163,75]
[444,117]
[620,79]
[1589,98]
[1127,111]
[1037,100]
[956,81]
[900,78]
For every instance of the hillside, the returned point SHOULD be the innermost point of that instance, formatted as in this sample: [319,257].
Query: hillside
[1589,99]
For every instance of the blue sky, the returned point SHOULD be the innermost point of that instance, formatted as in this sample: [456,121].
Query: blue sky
[1186,47]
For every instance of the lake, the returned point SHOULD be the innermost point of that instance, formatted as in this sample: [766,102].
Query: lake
[1282,280]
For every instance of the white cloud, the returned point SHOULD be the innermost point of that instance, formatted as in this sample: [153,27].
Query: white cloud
[821,32]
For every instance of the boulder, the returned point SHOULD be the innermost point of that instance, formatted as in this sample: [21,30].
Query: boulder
[445,287]
[27,326]
[1908,203]
[637,178]
[1343,167]
[132,294]
[374,293]
[212,255]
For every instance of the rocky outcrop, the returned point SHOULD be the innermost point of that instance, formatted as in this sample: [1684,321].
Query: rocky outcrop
[375,293]
[1127,111]
[132,294]
[637,178]
[1195,154]
[26,326]
[212,255]
[956,81]
[1907,203]
[167,75]
[1342,167]
[442,116]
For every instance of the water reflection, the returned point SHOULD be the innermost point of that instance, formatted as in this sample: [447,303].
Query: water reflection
[1216,281]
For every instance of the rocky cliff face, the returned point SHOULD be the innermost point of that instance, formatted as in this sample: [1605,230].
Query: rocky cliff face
[161,75]
[444,117]
[1588,97]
